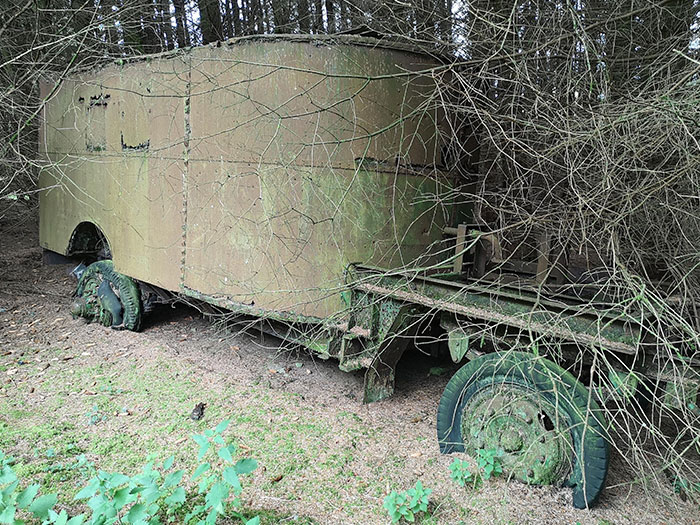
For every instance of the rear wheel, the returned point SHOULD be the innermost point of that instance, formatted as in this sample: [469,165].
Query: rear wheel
[108,297]
[549,429]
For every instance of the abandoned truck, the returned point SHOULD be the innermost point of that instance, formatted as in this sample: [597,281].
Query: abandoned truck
[300,180]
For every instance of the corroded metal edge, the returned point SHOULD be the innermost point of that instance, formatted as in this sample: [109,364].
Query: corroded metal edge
[389,43]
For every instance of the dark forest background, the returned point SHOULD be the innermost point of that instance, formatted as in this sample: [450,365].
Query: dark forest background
[587,112]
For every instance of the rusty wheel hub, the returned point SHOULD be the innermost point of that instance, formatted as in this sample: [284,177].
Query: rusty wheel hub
[536,444]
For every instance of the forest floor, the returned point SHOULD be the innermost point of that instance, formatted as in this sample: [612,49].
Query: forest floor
[69,388]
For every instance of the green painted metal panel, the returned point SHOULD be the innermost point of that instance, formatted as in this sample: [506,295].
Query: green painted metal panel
[251,173]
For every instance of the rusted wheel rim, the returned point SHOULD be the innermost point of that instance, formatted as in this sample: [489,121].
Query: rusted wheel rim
[536,444]
[88,304]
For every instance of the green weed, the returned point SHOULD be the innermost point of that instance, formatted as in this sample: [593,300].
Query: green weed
[407,504]
[490,462]
[144,498]
[462,475]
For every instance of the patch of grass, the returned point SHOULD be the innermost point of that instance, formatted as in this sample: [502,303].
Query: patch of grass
[270,517]
[350,415]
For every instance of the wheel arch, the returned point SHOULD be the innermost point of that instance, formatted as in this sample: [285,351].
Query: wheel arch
[89,239]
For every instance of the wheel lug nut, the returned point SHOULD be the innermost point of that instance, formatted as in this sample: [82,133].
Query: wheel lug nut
[528,420]
[530,473]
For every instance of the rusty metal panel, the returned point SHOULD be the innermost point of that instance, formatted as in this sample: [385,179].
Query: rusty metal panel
[254,171]
[294,174]
[312,103]
[280,239]
[115,142]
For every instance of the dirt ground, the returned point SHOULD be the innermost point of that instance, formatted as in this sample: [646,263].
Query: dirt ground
[67,387]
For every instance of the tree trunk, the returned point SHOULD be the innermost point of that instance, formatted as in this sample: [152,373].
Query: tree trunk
[150,37]
[304,16]
[343,23]
[330,16]
[318,17]
[166,24]
[183,34]
[234,16]
[280,15]
[210,21]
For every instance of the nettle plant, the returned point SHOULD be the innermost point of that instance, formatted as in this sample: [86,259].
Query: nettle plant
[219,480]
[13,500]
[154,494]
[407,504]
[117,498]
[490,462]
[144,498]
[461,474]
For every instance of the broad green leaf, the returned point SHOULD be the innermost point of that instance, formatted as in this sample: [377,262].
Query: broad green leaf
[225,454]
[204,483]
[7,516]
[40,507]
[246,466]
[102,506]
[178,496]
[9,490]
[231,477]
[122,497]
[211,518]
[216,495]
[7,475]
[151,494]
[222,426]
[61,519]
[136,513]
[148,467]
[204,445]
[254,521]
[199,438]
[173,479]
[168,463]
[27,495]
[219,440]
[89,491]
[201,469]
[76,520]
[117,479]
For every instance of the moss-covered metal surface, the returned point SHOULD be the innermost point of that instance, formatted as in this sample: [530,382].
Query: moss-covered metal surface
[251,172]
[499,306]
[520,423]
[108,297]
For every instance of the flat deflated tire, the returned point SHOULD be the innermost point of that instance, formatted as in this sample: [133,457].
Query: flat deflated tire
[124,287]
[547,427]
